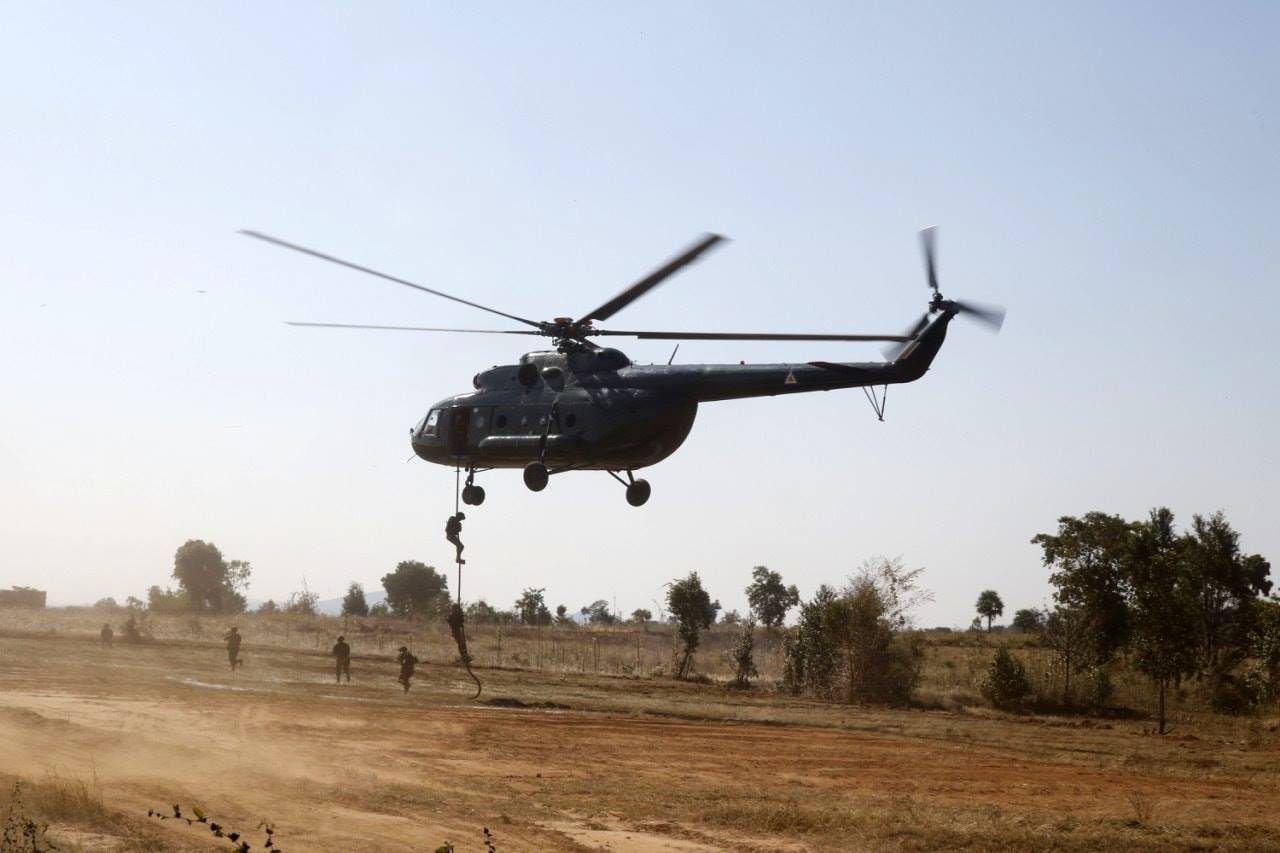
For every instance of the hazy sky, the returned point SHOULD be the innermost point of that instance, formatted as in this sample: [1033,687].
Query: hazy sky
[1109,172]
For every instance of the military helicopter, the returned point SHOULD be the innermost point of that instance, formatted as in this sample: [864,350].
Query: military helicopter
[582,406]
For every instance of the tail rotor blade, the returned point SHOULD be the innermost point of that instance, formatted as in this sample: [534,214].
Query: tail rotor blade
[991,316]
[928,238]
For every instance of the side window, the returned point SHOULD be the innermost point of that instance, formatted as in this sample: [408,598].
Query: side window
[433,420]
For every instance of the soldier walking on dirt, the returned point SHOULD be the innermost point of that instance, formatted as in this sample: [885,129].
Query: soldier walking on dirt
[407,663]
[107,636]
[342,657]
[452,532]
[232,638]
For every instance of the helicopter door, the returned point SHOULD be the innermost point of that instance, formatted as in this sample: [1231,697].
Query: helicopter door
[459,426]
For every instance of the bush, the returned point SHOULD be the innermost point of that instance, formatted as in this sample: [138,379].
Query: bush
[742,656]
[851,645]
[1005,685]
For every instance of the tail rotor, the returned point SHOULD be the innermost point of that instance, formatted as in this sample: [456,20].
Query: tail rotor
[991,316]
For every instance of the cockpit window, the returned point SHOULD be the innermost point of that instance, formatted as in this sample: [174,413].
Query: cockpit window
[429,425]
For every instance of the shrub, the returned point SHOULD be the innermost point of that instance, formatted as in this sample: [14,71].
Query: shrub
[742,655]
[1005,685]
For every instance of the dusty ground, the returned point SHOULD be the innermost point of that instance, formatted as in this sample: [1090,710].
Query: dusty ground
[575,762]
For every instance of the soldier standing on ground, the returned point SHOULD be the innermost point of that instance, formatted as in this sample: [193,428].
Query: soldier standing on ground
[452,532]
[232,638]
[342,655]
[107,636]
[407,663]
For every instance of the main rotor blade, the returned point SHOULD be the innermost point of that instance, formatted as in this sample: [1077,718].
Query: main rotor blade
[928,238]
[746,336]
[322,256]
[655,278]
[892,353]
[412,328]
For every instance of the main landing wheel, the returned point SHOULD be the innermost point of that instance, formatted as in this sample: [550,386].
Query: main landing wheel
[472,495]
[535,476]
[638,493]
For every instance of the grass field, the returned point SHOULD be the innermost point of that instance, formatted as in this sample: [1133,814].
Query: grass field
[568,749]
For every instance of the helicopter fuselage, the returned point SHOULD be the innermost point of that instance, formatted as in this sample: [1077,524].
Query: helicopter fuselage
[592,409]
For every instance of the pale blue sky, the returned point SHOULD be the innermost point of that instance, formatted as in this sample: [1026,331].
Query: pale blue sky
[1109,172]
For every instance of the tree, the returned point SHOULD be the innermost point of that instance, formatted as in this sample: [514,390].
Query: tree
[1163,613]
[1028,620]
[166,600]
[692,611]
[416,590]
[1089,560]
[989,606]
[769,598]
[1069,632]
[107,603]
[210,583]
[269,606]
[640,616]
[353,603]
[851,644]
[1226,584]
[562,615]
[730,617]
[742,655]
[302,603]
[597,613]
[134,603]
[531,607]
[480,613]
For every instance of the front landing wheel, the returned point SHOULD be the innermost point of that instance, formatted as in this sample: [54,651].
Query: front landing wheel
[472,495]
[638,493]
[535,476]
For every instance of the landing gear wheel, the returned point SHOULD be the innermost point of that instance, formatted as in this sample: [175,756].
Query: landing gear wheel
[472,495]
[535,476]
[638,493]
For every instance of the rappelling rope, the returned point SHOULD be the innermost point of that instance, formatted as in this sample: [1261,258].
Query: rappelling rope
[455,617]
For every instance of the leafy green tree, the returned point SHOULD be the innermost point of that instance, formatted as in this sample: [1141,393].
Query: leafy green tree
[731,617]
[166,600]
[269,606]
[1162,614]
[531,607]
[693,612]
[211,584]
[851,644]
[597,613]
[416,590]
[353,603]
[640,616]
[107,603]
[1069,632]
[810,652]
[1088,557]
[742,655]
[1028,620]
[769,598]
[1227,586]
[989,606]
[562,615]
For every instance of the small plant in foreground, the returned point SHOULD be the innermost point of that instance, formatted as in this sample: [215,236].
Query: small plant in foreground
[21,834]
[217,830]
[1005,684]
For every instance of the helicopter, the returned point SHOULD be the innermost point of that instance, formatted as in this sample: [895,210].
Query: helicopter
[581,406]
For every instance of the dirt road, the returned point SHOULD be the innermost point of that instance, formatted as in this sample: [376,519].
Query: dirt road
[581,763]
